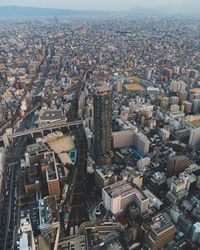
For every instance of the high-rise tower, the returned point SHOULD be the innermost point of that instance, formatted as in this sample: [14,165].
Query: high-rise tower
[103,123]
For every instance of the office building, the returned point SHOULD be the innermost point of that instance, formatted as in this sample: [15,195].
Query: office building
[159,231]
[131,174]
[177,164]
[196,233]
[117,196]
[194,139]
[179,187]
[185,224]
[142,143]
[50,117]
[102,123]
[105,176]
[123,139]
[194,170]
[143,162]
[179,184]
[164,134]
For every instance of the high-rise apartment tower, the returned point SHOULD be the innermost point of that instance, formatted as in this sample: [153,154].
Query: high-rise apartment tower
[102,123]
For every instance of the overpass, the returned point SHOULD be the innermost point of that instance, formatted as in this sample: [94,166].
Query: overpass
[6,138]
[31,109]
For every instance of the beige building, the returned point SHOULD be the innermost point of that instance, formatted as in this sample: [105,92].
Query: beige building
[26,240]
[194,137]
[123,139]
[177,86]
[177,164]
[159,231]
[118,196]
[131,174]
[104,177]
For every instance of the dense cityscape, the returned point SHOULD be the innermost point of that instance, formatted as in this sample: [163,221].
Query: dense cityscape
[100,133]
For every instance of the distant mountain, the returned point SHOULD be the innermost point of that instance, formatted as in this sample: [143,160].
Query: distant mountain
[165,11]
[34,12]
[13,11]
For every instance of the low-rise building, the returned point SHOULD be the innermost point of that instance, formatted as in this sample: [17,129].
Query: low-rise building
[50,117]
[26,238]
[105,176]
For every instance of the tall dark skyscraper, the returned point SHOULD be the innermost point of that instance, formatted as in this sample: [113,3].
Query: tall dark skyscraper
[103,123]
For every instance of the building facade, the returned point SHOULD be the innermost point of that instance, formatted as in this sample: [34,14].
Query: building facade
[118,196]
[102,123]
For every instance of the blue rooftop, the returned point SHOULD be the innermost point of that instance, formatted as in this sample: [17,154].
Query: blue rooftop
[136,152]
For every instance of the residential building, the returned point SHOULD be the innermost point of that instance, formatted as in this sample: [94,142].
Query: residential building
[102,123]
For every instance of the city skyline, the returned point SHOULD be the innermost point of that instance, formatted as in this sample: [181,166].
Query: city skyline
[99,124]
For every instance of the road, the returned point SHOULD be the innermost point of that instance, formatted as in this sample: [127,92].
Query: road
[76,202]
[9,213]
[9,216]
[78,207]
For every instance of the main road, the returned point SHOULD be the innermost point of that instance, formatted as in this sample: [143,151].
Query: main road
[9,210]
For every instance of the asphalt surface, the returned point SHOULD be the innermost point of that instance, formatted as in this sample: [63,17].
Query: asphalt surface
[10,206]
[9,210]
[77,205]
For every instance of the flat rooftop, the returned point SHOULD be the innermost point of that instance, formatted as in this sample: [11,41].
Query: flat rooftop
[26,237]
[124,188]
[36,148]
[51,172]
[160,224]
[32,175]
[51,115]
[48,211]
[193,168]
[104,89]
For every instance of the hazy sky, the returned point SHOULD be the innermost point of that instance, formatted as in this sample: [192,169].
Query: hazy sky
[104,4]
